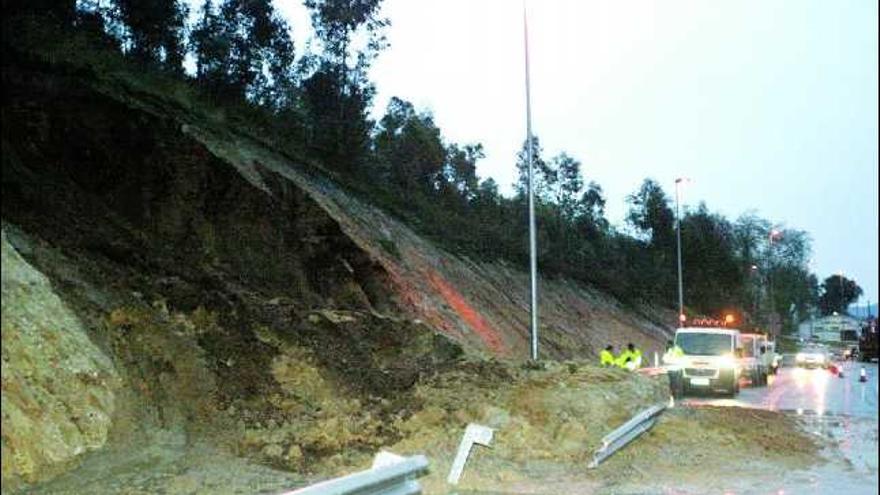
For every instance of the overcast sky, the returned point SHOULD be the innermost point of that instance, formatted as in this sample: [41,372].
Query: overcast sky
[766,105]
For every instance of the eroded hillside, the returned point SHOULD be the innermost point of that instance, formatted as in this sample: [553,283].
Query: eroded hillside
[231,303]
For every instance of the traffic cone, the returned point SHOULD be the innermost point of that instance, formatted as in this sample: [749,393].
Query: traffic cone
[863,375]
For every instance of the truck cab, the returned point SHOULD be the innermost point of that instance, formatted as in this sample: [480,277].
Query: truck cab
[710,359]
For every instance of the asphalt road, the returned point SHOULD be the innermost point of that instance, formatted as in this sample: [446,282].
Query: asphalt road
[811,392]
[841,410]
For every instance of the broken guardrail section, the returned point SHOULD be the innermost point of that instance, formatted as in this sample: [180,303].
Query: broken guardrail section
[628,431]
[473,434]
[390,475]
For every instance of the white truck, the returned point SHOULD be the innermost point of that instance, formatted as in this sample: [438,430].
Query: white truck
[752,361]
[709,361]
[775,358]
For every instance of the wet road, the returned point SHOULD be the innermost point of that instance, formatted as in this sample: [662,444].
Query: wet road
[811,392]
[840,410]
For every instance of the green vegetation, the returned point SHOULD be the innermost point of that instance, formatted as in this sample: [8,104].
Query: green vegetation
[314,107]
[838,292]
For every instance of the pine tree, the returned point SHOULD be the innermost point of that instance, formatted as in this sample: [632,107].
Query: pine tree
[156,31]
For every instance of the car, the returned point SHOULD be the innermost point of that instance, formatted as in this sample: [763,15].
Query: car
[813,356]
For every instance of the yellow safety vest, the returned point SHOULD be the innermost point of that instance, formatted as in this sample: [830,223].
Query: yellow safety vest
[606,358]
[622,358]
[636,357]
[672,354]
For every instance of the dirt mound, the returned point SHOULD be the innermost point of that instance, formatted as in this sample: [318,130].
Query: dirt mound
[689,450]
[547,421]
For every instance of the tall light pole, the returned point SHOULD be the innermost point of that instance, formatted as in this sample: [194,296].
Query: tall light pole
[773,235]
[754,272]
[681,317]
[533,250]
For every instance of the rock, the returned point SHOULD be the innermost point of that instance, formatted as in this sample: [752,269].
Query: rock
[337,317]
[58,394]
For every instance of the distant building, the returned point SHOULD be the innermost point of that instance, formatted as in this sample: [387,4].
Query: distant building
[833,328]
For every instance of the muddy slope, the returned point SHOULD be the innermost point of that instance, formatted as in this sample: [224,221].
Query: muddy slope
[219,319]
[113,167]
[222,294]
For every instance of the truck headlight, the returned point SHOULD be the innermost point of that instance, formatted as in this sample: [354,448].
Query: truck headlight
[800,356]
[727,361]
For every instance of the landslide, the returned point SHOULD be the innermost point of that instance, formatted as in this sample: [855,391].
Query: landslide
[246,325]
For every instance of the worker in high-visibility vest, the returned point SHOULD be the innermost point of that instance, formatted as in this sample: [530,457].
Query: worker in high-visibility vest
[673,353]
[636,357]
[623,358]
[630,358]
[606,357]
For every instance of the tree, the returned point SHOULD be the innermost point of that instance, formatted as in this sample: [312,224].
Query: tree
[461,168]
[714,279]
[211,45]
[838,292]
[793,289]
[62,12]
[156,30]
[650,214]
[410,148]
[750,237]
[569,184]
[592,206]
[243,50]
[337,21]
[544,175]
[338,94]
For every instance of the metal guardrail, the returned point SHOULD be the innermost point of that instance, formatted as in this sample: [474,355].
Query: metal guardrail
[615,440]
[394,477]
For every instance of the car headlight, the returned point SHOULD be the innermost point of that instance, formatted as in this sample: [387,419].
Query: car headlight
[800,356]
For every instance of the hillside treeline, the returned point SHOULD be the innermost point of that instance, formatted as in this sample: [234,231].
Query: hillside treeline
[314,102]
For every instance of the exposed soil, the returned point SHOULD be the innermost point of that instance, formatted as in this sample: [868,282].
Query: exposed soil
[269,330]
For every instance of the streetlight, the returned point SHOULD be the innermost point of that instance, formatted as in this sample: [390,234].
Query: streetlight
[774,234]
[533,250]
[754,271]
[678,238]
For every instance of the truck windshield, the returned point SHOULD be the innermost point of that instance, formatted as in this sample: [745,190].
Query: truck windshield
[704,344]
